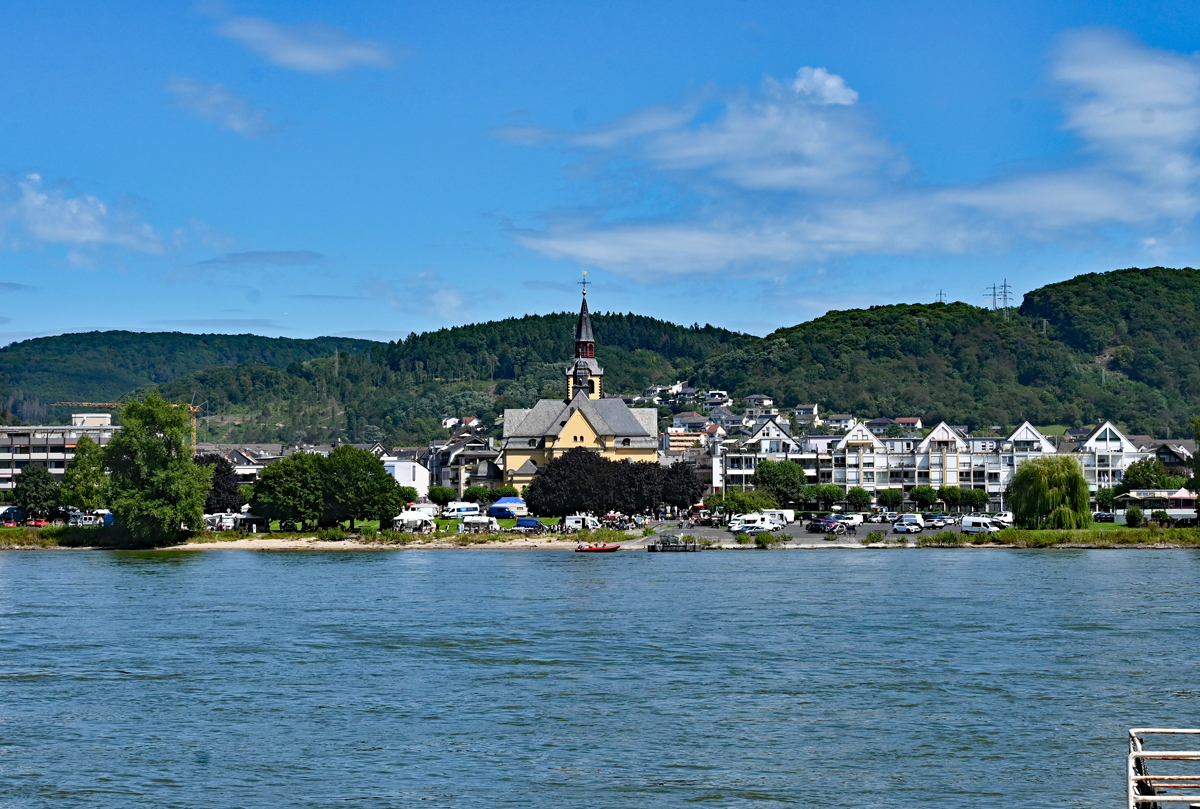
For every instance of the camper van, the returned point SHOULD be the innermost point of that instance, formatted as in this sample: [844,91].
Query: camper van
[580,522]
[979,525]
[477,524]
[744,522]
[783,516]
[458,509]
[430,510]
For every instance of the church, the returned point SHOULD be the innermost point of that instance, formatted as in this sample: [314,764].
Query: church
[535,436]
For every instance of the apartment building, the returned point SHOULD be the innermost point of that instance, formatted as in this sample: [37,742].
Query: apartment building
[49,446]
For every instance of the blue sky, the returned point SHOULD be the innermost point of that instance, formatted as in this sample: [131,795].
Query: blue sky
[372,169]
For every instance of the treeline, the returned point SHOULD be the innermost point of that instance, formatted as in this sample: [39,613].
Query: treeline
[581,482]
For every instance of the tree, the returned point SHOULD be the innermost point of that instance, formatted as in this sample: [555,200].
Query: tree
[1050,492]
[783,480]
[858,498]
[356,486]
[575,482]
[157,488]
[1105,499]
[976,499]
[891,499]
[826,495]
[477,494]
[739,502]
[85,486]
[681,487]
[950,495]
[35,491]
[441,495]
[225,496]
[290,490]
[1133,516]
[637,487]
[923,496]
[1148,473]
[502,491]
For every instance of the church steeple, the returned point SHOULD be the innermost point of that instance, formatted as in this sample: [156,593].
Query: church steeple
[584,375]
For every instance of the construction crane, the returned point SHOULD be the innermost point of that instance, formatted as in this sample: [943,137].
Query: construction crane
[193,409]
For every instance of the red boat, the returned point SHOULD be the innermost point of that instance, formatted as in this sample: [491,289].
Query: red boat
[597,548]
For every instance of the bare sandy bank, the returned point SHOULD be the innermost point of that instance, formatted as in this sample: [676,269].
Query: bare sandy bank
[314,544]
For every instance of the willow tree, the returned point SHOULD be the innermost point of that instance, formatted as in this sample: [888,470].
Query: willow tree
[1050,492]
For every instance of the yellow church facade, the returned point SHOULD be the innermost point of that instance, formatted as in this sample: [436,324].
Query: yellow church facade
[535,436]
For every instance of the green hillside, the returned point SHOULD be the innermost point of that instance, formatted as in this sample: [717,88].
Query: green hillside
[101,366]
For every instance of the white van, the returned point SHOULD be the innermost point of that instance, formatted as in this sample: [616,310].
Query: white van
[911,519]
[430,510]
[480,525]
[459,509]
[979,525]
[1003,518]
[579,522]
[851,519]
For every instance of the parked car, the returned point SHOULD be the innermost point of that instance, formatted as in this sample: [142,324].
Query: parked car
[1004,518]
[877,518]
[935,522]
[501,513]
[851,519]
[531,525]
[980,525]
[907,527]
[579,522]
[11,524]
[1104,516]
[36,522]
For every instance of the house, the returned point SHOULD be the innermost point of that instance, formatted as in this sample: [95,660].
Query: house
[677,441]
[839,421]
[690,421]
[463,461]
[1105,453]
[910,423]
[716,398]
[879,426]
[1175,455]
[50,446]
[535,436]
[772,437]
[408,472]
[1077,433]
[807,415]
[759,400]
[725,417]
[450,422]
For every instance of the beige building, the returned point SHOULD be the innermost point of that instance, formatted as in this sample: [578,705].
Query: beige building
[535,436]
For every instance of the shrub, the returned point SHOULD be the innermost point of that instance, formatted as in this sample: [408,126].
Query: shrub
[602,536]
[874,536]
[744,539]
[1133,517]
[1161,517]
[331,534]
[647,531]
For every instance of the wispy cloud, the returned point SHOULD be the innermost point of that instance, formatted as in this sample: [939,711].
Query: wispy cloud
[311,48]
[219,105]
[796,172]
[9,286]
[316,297]
[52,217]
[424,293]
[278,258]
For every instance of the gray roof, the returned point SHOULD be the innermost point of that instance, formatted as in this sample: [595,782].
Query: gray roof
[593,367]
[608,417]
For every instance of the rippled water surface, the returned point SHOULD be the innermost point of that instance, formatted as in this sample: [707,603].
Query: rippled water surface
[961,678]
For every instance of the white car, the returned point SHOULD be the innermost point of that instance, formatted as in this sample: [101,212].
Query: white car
[903,527]
[935,522]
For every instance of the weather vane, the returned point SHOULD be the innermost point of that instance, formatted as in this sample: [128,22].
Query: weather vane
[584,283]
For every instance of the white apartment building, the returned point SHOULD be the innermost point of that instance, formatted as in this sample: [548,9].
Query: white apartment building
[49,446]
[944,457]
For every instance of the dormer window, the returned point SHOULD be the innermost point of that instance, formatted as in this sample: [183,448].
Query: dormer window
[625,442]
[533,442]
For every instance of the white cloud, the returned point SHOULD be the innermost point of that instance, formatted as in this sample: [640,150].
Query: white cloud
[311,48]
[424,293]
[53,217]
[797,173]
[217,104]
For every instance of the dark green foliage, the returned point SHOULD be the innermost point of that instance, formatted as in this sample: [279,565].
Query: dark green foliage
[783,480]
[923,496]
[1104,499]
[356,486]
[1161,517]
[1050,492]
[738,502]
[950,495]
[35,491]
[975,499]
[477,494]
[583,482]
[85,486]
[156,486]
[681,488]
[638,487]
[290,489]
[1148,473]
[502,491]
[407,495]
[441,494]
[891,499]
[858,499]
[103,366]
[226,494]
[1133,516]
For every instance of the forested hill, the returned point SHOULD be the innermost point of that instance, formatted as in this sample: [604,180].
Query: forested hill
[1119,345]
[101,366]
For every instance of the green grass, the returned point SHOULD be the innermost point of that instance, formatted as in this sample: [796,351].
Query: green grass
[1096,537]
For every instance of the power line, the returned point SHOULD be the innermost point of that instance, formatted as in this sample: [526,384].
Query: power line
[941,297]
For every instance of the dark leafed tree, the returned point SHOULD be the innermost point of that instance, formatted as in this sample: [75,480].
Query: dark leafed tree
[1148,473]
[891,499]
[477,494]
[826,495]
[441,494]
[950,495]
[356,486]
[783,480]
[290,490]
[226,493]
[35,491]
[156,485]
[858,498]
[637,488]
[575,482]
[1105,499]
[681,487]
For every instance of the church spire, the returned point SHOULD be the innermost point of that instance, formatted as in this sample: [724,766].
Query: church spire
[585,341]
[584,374]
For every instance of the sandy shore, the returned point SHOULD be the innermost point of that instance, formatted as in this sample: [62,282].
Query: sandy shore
[314,544]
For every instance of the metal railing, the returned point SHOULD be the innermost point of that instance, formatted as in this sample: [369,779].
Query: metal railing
[1146,791]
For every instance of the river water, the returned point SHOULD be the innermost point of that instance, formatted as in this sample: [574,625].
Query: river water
[957,678]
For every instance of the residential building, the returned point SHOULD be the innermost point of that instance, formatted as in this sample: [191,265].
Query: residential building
[879,426]
[50,446]
[534,436]
[690,421]
[716,398]
[1175,455]
[463,461]
[839,421]
[677,441]
[408,472]
[910,423]
[759,400]
[807,415]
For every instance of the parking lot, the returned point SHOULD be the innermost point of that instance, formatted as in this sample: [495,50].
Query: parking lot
[800,535]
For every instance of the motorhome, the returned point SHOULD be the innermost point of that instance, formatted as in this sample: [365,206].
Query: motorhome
[744,522]
[478,524]
[580,522]
[786,516]
[414,521]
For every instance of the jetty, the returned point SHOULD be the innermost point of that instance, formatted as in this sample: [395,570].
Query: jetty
[1175,786]
[665,544]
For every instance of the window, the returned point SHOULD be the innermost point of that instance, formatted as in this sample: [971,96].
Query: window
[532,442]
[624,442]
